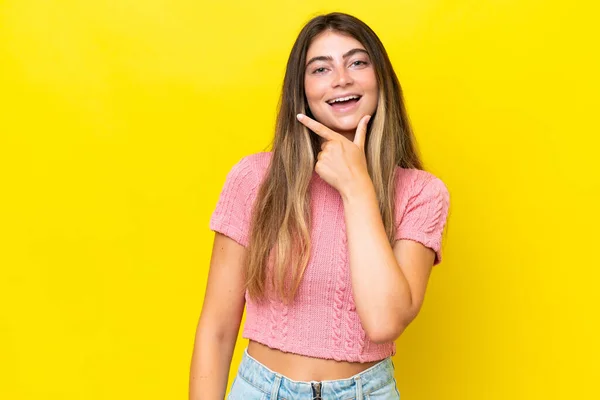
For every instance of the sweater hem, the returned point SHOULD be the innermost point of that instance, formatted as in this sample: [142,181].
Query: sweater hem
[319,352]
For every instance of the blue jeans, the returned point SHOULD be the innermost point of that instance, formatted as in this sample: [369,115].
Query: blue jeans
[254,381]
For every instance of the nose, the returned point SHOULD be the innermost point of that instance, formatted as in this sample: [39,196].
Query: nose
[341,77]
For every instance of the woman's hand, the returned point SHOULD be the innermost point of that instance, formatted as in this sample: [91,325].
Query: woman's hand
[341,163]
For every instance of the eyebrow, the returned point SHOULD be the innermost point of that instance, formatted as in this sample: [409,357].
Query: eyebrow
[329,58]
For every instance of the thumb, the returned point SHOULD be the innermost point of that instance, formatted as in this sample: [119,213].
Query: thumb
[361,132]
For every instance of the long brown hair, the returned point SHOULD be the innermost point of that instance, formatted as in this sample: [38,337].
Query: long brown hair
[280,225]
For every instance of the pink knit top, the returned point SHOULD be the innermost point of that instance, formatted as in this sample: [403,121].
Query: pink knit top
[322,322]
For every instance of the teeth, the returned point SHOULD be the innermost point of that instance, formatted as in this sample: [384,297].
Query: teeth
[342,99]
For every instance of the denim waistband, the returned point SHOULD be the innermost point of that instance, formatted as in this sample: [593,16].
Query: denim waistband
[276,384]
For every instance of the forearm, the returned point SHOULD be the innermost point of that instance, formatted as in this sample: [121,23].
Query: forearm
[210,366]
[381,291]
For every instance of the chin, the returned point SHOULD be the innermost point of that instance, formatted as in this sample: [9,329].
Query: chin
[345,123]
[348,123]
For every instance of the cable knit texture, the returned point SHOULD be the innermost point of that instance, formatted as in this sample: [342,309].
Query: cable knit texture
[323,322]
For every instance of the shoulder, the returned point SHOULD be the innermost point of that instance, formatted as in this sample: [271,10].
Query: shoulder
[232,214]
[412,183]
[260,158]
[423,203]
[258,162]
[252,166]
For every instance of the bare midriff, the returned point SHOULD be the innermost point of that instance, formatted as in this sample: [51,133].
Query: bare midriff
[304,368]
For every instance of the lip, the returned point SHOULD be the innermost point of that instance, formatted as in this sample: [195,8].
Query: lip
[345,108]
[343,95]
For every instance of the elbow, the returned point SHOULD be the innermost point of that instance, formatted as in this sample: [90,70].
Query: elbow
[387,330]
[384,334]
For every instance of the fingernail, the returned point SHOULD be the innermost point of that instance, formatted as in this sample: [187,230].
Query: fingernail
[299,116]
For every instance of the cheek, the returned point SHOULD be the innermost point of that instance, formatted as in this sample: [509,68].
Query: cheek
[314,89]
[308,88]
[314,94]
[369,82]
[370,85]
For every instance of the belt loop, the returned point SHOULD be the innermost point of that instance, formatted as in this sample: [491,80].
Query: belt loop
[275,389]
[359,388]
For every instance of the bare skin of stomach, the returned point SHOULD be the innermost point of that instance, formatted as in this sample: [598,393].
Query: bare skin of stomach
[302,368]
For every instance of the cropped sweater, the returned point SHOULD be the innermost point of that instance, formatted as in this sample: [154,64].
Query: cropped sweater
[322,321]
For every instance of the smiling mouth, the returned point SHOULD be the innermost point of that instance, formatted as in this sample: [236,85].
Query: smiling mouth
[344,100]
[345,105]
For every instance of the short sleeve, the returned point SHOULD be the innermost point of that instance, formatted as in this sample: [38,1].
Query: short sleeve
[425,217]
[232,213]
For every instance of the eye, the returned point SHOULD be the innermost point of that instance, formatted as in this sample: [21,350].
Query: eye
[319,70]
[359,62]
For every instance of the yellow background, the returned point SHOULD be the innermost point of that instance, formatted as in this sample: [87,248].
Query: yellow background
[120,119]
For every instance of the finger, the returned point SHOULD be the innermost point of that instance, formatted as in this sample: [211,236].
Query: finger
[361,132]
[317,127]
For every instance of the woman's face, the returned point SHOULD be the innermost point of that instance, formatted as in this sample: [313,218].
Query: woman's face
[339,68]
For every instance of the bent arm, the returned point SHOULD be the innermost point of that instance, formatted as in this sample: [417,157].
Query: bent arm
[219,322]
[400,273]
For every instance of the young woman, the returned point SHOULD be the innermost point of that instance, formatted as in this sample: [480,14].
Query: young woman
[328,239]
